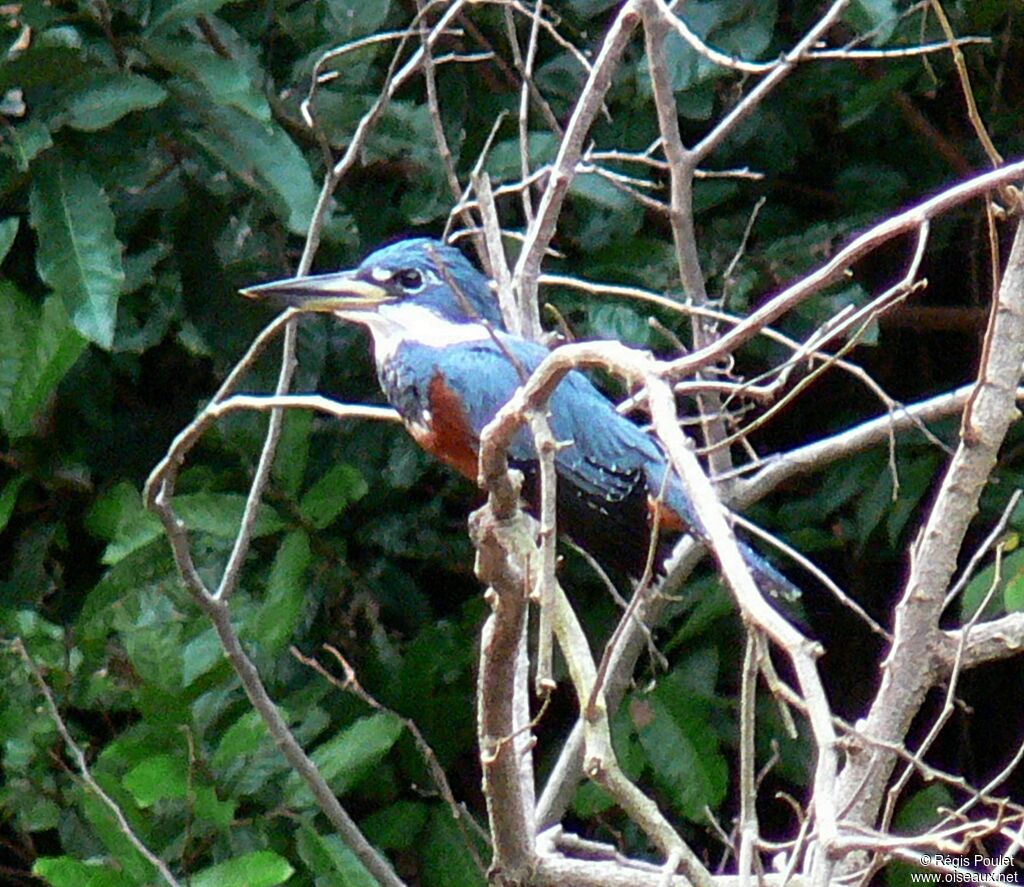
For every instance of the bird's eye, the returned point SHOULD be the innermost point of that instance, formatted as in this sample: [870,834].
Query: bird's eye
[409,279]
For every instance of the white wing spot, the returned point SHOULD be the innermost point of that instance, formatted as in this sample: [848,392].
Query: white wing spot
[418,428]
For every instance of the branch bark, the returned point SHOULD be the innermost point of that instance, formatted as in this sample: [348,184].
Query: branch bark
[503,546]
[988,414]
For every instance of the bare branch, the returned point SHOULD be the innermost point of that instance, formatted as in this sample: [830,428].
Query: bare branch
[801,652]
[894,52]
[601,764]
[527,270]
[159,494]
[835,268]
[511,821]
[990,409]
[393,82]
[790,60]
[748,827]
[682,164]
[233,569]
[987,642]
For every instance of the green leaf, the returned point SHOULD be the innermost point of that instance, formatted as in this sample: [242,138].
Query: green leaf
[332,494]
[591,8]
[920,811]
[251,150]
[25,141]
[156,779]
[225,79]
[202,653]
[79,255]
[858,104]
[261,868]
[9,497]
[590,800]
[242,738]
[740,30]
[37,348]
[64,871]
[8,231]
[333,863]
[503,161]
[398,826]
[169,13]
[120,518]
[109,831]
[156,653]
[712,604]
[293,450]
[600,191]
[210,808]
[17,322]
[878,17]
[620,322]
[46,62]
[874,505]
[35,813]
[282,608]
[108,96]
[348,19]
[349,757]
[220,514]
[137,532]
[681,748]
[1013,594]
[447,861]
[915,480]
[1011,566]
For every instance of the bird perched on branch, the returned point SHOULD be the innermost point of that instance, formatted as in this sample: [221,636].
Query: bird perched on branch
[447,364]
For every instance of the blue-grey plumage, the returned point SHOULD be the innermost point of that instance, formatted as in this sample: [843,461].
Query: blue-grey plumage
[446,363]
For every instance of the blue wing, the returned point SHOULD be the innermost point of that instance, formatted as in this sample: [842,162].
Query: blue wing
[609,468]
[604,454]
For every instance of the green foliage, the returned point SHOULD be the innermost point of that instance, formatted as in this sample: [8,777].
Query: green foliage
[916,814]
[79,256]
[348,757]
[996,589]
[107,96]
[153,158]
[673,725]
[38,346]
[260,868]
[63,871]
[331,861]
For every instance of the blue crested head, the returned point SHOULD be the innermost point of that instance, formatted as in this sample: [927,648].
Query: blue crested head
[438,277]
[419,271]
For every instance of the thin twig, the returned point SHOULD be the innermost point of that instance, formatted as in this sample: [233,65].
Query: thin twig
[682,164]
[540,233]
[352,685]
[75,750]
[835,268]
[904,682]
[748,827]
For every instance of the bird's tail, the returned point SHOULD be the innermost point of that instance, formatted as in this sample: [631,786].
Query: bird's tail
[769,579]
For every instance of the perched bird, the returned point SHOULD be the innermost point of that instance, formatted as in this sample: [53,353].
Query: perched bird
[447,364]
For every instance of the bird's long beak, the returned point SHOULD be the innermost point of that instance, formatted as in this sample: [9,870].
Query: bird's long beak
[342,291]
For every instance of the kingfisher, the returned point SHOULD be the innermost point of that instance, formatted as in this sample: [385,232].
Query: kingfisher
[447,364]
